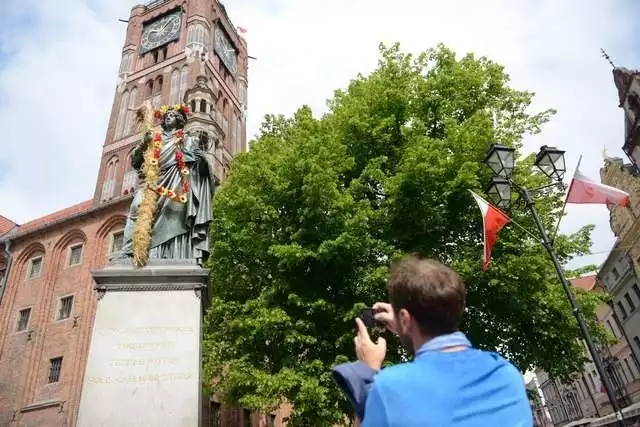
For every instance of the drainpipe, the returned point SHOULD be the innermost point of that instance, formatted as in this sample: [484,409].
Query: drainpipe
[7,251]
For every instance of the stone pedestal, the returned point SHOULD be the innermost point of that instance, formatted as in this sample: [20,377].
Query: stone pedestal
[143,366]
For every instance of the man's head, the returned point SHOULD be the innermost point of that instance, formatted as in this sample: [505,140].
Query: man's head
[427,297]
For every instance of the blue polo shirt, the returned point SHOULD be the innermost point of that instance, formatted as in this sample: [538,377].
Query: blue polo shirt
[463,388]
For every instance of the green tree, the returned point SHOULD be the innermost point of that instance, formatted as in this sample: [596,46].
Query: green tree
[310,218]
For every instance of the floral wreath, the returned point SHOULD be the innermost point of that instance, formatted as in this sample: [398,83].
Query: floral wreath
[181,108]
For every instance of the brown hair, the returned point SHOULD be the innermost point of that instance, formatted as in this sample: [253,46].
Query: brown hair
[431,292]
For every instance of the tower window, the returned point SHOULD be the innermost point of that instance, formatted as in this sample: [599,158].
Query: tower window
[632,306]
[23,319]
[155,56]
[150,88]
[203,106]
[157,87]
[246,418]
[64,308]
[193,105]
[55,365]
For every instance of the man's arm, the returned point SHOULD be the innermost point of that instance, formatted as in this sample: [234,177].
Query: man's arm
[375,413]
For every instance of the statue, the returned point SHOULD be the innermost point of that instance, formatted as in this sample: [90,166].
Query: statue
[171,209]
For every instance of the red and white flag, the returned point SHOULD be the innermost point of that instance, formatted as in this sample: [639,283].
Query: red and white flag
[583,190]
[493,220]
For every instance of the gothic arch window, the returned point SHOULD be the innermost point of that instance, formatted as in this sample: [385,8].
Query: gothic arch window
[203,106]
[122,113]
[125,65]
[149,88]
[131,114]
[184,74]
[198,36]
[193,106]
[109,182]
[175,87]
[157,86]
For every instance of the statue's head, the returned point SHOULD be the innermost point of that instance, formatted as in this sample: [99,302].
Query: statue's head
[173,120]
[172,117]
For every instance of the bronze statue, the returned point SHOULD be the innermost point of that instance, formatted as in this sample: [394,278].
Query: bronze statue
[171,209]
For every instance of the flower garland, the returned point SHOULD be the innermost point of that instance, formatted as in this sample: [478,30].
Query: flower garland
[151,170]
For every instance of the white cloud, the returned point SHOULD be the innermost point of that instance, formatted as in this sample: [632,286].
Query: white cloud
[57,89]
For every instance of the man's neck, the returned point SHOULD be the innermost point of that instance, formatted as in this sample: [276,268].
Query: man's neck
[420,341]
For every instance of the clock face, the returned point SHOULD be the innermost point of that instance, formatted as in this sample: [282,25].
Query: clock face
[160,32]
[225,50]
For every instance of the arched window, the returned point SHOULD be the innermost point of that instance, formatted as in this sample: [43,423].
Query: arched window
[125,65]
[131,114]
[198,37]
[122,113]
[157,87]
[175,88]
[109,182]
[149,88]
[239,148]
[184,74]
[234,141]
[193,106]
[203,106]
[155,56]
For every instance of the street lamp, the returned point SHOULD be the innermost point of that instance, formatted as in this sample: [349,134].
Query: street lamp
[550,160]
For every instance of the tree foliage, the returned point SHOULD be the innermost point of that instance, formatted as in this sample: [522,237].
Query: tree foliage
[310,218]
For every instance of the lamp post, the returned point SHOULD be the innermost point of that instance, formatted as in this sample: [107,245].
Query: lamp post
[550,160]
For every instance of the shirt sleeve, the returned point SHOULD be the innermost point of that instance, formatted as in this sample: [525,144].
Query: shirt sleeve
[375,413]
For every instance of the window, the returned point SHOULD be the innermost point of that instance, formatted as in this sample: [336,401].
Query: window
[623,312]
[616,275]
[626,362]
[215,415]
[117,241]
[75,254]
[157,87]
[155,56]
[35,267]
[55,365]
[636,340]
[193,106]
[271,420]
[632,306]
[23,319]
[64,307]
[203,106]
[246,418]
[636,290]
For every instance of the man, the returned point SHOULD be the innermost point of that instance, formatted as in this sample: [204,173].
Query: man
[448,383]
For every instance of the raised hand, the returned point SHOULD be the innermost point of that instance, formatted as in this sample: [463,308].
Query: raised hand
[383,313]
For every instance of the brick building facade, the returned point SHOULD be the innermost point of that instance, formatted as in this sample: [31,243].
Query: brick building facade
[47,300]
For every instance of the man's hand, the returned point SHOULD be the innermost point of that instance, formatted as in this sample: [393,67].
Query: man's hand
[383,313]
[367,351]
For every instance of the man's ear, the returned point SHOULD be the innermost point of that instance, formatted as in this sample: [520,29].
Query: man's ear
[404,320]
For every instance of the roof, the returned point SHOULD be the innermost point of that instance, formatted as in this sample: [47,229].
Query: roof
[54,217]
[6,225]
[586,282]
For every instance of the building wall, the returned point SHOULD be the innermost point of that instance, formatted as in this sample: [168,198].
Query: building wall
[25,355]
[620,272]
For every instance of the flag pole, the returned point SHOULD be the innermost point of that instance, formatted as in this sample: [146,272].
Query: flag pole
[564,204]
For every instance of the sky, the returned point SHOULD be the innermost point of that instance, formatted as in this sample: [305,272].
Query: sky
[58,69]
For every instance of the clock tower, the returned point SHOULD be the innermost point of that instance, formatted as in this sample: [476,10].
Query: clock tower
[177,51]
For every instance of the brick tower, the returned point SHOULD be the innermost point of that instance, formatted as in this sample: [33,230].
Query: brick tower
[177,51]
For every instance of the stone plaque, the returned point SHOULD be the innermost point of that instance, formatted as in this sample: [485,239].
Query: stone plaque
[143,367]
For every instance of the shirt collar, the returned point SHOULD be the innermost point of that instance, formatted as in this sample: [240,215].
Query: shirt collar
[443,341]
